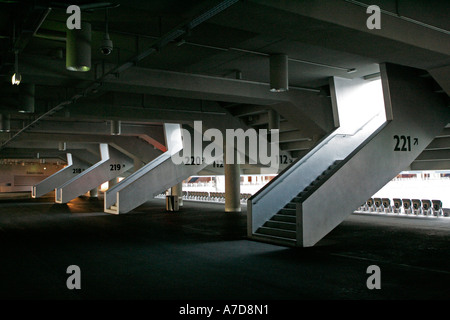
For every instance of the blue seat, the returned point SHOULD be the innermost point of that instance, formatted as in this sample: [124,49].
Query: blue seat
[417,206]
[397,205]
[437,208]
[407,206]
[386,204]
[426,207]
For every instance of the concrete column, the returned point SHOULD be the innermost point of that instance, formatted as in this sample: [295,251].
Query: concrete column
[137,164]
[93,193]
[232,185]
[274,119]
[112,183]
[177,190]
[279,80]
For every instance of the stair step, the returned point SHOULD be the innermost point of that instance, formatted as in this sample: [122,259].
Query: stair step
[334,165]
[297,199]
[301,195]
[277,232]
[317,181]
[284,218]
[291,205]
[280,225]
[292,212]
[274,239]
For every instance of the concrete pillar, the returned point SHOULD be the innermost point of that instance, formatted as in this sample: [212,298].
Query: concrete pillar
[232,185]
[177,190]
[116,127]
[93,193]
[279,80]
[112,183]
[274,119]
[137,164]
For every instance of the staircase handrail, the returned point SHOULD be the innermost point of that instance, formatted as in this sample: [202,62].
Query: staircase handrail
[325,141]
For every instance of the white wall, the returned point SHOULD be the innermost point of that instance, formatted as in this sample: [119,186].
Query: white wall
[18,177]
[359,103]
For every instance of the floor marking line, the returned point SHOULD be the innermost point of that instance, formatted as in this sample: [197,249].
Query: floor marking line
[388,262]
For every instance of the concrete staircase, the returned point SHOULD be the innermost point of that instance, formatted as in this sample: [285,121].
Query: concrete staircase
[153,178]
[301,205]
[282,227]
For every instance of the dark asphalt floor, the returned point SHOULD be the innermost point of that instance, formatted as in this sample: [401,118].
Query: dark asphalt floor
[203,253]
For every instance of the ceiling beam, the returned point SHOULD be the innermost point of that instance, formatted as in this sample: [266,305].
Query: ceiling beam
[153,134]
[242,110]
[352,15]
[297,145]
[133,147]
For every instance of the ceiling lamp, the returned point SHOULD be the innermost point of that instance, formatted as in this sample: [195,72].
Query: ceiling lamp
[279,73]
[5,123]
[16,77]
[26,98]
[78,48]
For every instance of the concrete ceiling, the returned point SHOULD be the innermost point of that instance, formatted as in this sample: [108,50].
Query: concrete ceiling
[194,75]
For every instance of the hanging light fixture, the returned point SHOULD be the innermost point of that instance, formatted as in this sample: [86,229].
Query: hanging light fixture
[16,77]
[107,44]
[26,98]
[78,48]
[279,73]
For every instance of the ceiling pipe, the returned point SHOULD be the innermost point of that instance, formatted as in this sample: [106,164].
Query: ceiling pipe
[5,123]
[78,48]
[41,21]
[116,127]
[26,98]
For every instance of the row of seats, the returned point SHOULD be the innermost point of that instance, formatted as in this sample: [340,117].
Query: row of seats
[197,195]
[211,196]
[208,196]
[407,206]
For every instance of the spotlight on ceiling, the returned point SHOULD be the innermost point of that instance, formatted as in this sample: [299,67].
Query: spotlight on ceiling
[16,78]
[279,73]
[78,48]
